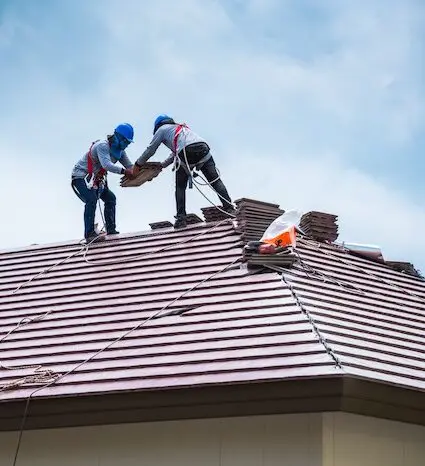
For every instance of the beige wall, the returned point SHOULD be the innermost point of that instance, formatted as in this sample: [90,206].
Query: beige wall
[351,440]
[331,439]
[293,440]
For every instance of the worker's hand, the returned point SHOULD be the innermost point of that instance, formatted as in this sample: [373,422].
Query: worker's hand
[129,172]
[136,170]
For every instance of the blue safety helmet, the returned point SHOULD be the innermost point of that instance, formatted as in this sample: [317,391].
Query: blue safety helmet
[162,120]
[126,131]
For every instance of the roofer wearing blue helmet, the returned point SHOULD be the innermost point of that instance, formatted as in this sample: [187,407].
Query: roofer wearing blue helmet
[89,177]
[186,146]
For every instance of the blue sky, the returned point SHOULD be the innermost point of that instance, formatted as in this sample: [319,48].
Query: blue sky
[313,105]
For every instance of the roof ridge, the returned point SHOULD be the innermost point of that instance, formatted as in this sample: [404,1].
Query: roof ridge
[115,238]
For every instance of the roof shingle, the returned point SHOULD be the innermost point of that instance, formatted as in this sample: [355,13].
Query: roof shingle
[232,326]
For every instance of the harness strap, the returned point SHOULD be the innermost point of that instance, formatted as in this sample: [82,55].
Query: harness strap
[177,162]
[100,174]
[203,160]
[189,169]
[179,129]
[76,191]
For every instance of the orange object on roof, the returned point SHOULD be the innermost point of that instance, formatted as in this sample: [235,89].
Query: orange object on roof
[286,238]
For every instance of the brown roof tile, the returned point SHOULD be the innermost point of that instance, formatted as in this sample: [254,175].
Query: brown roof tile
[334,313]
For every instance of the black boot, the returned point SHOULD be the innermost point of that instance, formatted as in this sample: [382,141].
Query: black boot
[180,222]
[229,209]
[94,237]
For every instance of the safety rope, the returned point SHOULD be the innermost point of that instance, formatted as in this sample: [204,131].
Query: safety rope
[56,264]
[317,247]
[85,248]
[109,345]
[349,287]
[308,315]
[44,375]
[40,374]
[50,268]
[146,254]
[206,182]
[311,272]
[49,377]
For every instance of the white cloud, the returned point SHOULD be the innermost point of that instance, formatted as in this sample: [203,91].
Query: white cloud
[271,117]
[369,212]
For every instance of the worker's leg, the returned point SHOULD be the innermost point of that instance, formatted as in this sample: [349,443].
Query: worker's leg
[89,197]
[108,197]
[181,184]
[210,172]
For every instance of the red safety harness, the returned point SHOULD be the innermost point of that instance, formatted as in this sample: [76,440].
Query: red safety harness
[93,181]
[179,129]
[177,162]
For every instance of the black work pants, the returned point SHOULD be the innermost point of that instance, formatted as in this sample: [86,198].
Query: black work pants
[209,171]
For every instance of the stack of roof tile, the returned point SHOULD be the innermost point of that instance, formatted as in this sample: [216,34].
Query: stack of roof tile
[237,330]
[160,225]
[214,214]
[282,259]
[404,267]
[320,226]
[191,219]
[254,217]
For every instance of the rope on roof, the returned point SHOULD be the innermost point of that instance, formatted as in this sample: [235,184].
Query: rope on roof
[349,287]
[111,343]
[383,280]
[85,249]
[326,278]
[309,317]
[147,254]
[40,375]
[49,269]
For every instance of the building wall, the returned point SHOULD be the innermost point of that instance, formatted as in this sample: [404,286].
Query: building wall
[351,440]
[331,439]
[293,440]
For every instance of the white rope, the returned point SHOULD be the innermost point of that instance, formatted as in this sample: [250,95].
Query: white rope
[147,254]
[310,318]
[196,183]
[113,342]
[50,268]
[350,264]
[40,375]
[325,278]
[307,314]
[101,215]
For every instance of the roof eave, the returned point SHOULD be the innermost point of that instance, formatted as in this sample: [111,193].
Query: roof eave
[319,394]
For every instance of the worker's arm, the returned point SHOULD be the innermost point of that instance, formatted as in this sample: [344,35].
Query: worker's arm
[105,159]
[125,161]
[168,161]
[151,149]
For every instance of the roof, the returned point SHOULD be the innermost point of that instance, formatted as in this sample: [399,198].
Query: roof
[174,309]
